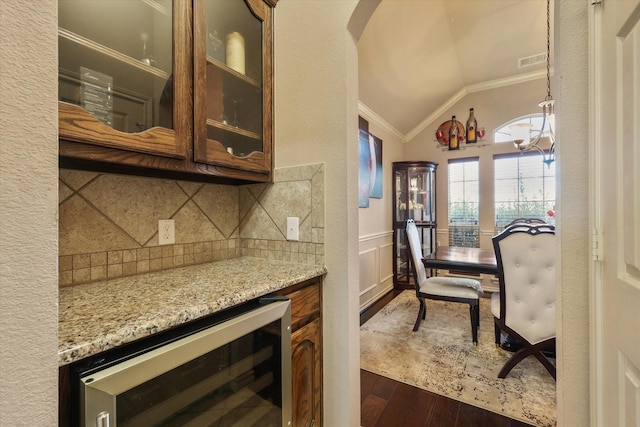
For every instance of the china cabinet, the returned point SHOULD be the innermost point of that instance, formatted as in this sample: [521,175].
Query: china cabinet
[413,197]
[178,88]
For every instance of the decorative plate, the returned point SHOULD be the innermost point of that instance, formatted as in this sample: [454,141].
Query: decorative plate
[442,134]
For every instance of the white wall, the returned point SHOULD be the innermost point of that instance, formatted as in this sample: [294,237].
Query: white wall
[28,213]
[316,120]
[376,226]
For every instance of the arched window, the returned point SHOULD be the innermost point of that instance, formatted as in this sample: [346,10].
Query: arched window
[503,133]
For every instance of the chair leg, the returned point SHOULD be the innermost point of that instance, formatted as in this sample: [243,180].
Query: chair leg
[421,314]
[497,331]
[473,314]
[546,363]
[521,355]
[515,359]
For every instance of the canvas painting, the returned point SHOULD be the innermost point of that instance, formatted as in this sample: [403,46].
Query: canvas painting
[375,146]
[364,169]
[369,168]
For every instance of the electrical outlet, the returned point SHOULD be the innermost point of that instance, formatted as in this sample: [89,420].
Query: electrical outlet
[293,229]
[166,231]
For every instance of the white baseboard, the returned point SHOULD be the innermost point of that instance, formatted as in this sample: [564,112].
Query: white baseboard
[382,292]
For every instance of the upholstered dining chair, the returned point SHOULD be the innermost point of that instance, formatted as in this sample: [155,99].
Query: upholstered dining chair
[526,221]
[451,289]
[525,306]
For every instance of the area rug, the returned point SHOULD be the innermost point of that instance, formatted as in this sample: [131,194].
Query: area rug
[441,358]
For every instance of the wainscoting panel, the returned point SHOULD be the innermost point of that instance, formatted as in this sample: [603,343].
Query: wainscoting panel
[376,267]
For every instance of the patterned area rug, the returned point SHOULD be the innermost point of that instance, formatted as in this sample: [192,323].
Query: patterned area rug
[441,358]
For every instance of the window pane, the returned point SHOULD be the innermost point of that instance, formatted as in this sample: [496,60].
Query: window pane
[471,191]
[456,172]
[456,192]
[505,169]
[524,187]
[463,203]
[503,133]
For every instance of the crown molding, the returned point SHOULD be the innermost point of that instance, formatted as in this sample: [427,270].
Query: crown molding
[437,113]
[477,87]
[372,117]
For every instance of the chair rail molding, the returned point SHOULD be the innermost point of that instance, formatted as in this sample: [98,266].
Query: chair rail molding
[375,236]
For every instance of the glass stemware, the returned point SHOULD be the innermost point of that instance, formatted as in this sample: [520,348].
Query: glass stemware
[146,59]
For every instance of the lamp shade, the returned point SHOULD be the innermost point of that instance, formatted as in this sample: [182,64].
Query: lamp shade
[521,134]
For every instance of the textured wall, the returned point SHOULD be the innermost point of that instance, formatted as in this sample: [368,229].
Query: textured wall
[28,210]
[572,95]
[316,109]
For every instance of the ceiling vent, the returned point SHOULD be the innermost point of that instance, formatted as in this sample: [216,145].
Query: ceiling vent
[532,60]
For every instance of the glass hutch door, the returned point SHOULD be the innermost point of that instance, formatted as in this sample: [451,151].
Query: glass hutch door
[233,84]
[116,75]
[414,198]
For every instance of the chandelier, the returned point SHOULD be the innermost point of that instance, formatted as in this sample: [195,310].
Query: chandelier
[525,138]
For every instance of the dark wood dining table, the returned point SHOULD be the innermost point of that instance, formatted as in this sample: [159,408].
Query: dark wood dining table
[469,260]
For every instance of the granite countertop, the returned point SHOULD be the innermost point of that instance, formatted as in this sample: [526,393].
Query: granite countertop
[102,315]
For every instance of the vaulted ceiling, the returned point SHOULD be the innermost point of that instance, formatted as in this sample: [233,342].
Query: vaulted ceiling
[416,55]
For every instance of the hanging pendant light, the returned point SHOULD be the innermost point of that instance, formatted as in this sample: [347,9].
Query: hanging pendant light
[525,138]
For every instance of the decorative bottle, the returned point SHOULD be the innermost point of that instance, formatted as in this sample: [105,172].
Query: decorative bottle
[472,126]
[454,142]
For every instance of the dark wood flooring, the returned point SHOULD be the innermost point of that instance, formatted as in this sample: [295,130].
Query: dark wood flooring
[389,403]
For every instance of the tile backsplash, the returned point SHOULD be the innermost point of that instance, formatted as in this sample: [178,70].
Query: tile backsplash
[109,223]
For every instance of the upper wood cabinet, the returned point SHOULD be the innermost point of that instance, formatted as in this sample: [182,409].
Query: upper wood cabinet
[178,88]
[233,84]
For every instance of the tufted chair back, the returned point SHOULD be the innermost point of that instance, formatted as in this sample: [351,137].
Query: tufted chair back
[526,259]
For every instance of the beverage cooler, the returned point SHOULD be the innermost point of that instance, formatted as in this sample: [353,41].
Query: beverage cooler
[413,198]
[229,369]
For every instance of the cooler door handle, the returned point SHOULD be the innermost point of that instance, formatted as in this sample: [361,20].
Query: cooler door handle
[102,420]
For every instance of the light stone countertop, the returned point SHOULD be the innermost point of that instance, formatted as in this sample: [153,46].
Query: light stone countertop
[102,315]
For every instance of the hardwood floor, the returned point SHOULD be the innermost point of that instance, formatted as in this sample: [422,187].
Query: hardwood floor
[388,403]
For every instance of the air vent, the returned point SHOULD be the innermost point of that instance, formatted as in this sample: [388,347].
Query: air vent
[532,60]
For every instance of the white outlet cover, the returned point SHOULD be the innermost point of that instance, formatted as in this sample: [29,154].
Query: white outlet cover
[293,229]
[166,232]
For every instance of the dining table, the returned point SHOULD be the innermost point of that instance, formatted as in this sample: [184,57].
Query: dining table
[468,260]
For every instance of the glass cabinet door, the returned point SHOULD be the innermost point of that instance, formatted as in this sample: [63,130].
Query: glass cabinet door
[401,184]
[116,75]
[414,198]
[420,194]
[233,84]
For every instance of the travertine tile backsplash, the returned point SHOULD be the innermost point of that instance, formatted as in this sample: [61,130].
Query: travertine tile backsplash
[109,223]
